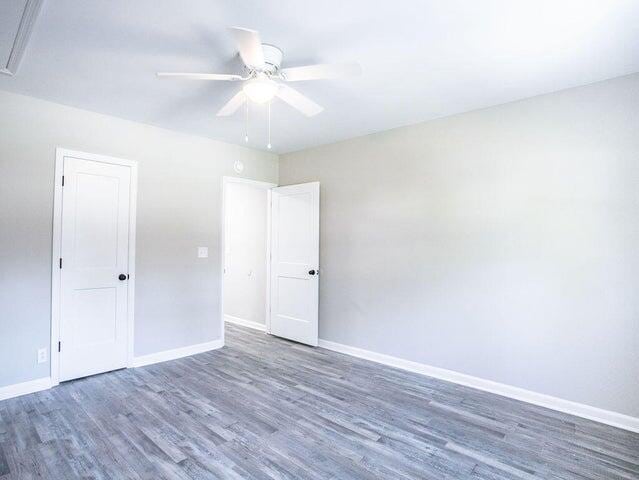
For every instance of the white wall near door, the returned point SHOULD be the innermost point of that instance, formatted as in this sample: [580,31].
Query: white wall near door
[245,251]
[500,243]
[179,209]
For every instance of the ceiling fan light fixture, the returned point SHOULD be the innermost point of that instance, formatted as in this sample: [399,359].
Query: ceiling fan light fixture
[260,90]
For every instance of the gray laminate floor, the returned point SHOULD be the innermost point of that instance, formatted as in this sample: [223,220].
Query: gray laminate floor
[265,408]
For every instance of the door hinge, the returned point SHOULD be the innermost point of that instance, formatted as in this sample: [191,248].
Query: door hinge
[63,180]
[59,346]
[60,263]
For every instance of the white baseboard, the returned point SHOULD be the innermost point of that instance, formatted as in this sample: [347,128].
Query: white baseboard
[39,384]
[245,323]
[175,353]
[608,417]
[24,388]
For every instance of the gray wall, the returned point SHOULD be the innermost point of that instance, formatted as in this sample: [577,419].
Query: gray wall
[501,243]
[177,294]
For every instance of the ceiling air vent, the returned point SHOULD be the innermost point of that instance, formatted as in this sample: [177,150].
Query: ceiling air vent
[17,18]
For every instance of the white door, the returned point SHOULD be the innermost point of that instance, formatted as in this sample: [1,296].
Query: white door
[295,262]
[94,275]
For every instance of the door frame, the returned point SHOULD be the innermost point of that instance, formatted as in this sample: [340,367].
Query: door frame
[257,184]
[56,274]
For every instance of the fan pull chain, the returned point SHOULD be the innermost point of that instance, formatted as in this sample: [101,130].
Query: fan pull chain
[246,137]
[269,126]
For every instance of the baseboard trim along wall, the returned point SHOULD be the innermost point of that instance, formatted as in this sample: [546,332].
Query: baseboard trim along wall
[24,388]
[40,384]
[614,419]
[176,353]
[245,323]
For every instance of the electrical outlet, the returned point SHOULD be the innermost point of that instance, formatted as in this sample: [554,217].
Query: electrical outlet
[202,252]
[42,355]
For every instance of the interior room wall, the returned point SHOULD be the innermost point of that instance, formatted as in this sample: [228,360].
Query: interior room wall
[501,243]
[179,209]
[245,252]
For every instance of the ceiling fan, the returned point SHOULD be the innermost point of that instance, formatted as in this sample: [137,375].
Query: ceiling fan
[264,79]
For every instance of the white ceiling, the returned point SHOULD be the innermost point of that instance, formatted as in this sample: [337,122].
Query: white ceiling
[422,59]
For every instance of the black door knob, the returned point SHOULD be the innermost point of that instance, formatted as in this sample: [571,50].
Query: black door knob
[122,277]
[311,272]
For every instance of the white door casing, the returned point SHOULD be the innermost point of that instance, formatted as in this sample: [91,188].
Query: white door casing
[96,218]
[295,262]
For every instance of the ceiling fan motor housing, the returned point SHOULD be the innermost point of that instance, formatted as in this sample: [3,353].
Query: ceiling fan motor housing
[272,57]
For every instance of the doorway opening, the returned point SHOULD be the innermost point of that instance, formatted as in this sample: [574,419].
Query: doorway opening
[270,258]
[245,252]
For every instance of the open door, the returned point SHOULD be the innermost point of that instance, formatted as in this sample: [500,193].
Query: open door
[295,262]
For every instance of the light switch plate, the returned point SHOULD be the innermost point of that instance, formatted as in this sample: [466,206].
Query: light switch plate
[42,355]
[202,252]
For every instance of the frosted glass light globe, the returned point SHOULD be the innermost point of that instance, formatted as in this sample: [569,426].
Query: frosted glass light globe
[260,90]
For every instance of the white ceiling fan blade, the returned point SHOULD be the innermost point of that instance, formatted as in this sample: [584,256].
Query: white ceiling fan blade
[201,76]
[232,105]
[250,46]
[298,101]
[321,71]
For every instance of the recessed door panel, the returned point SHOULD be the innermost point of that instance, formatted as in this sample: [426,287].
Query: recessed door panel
[94,317]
